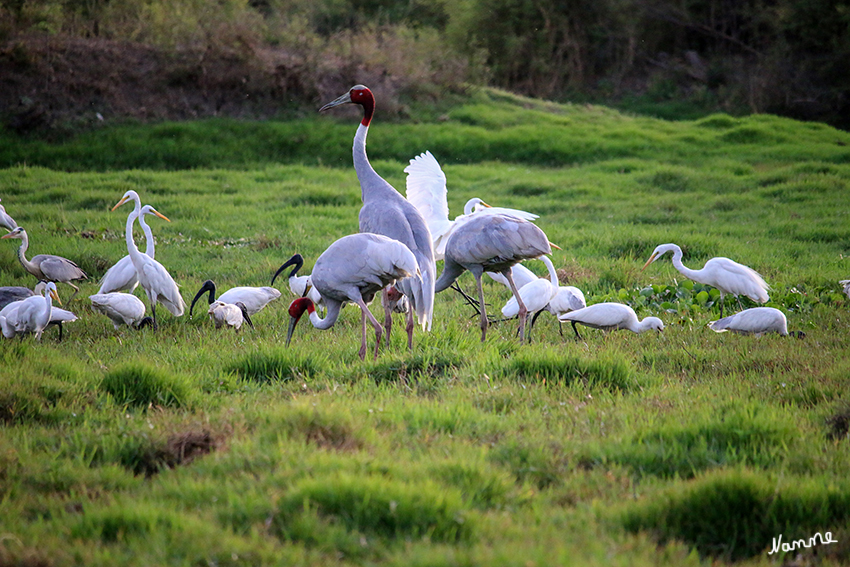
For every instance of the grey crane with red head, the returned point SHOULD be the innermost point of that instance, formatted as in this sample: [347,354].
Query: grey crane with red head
[385,211]
[353,269]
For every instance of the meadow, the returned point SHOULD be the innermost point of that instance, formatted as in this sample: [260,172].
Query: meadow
[191,446]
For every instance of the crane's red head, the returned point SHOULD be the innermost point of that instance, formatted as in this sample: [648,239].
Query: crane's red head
[296,310]
[358,94]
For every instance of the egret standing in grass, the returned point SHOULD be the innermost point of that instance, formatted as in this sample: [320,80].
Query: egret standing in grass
[492,243]
[611,317]
[353,269]
[727,276]
[32,315]
[153,277]
[47,267]
[122,275]
[386,212]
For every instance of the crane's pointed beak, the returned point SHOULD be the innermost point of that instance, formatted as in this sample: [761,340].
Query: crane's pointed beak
[344,99]
[648,262]
[119,203]
[292,322]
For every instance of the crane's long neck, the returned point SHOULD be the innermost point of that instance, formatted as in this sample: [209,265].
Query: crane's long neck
[150,247]
[553,275]
[334,308]
[372,185]
[686,271]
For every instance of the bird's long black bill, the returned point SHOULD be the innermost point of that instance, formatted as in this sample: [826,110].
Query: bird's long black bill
[296,260]
[208,286]
[246,316]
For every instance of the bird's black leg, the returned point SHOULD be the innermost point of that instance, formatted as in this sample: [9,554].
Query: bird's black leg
[472,303]
[60,331]
[576,330]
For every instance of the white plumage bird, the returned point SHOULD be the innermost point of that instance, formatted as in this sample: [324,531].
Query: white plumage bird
[254,298]
[122,275]
[846,284]
[426,189]
[728,276]
[611,317]
[755,321]
[121,308]
[153,277]
[230,314]
[7,221]
[536,294]
[31,315]
[353,269]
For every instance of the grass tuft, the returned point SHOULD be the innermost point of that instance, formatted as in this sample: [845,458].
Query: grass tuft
[551,367]
[138,384]
[381,506]
[276,365]
[413,368]
[735,515]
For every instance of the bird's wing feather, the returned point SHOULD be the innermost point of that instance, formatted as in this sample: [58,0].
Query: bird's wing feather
[57,268]
[516,213]
[738,279]
[426,189]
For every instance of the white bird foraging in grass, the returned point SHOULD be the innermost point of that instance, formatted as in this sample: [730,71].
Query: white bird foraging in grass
[756,321]
[230,314]
[846,284]
[353,269]
[121,308]
[728,276]
[611,317]
[254,298]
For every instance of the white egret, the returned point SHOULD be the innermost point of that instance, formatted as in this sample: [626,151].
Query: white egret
[31,315]
[122,275]
[231,314]
[7,221]
[728,276]
[353,269]
[153,277]
[254,298]
[756,321]
[386,212]
[610,317]
[426,189]
[47,267]
[492,243]
[121,308]
[846,284]
[536,294]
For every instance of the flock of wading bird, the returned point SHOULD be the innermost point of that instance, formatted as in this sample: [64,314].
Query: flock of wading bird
[394,253]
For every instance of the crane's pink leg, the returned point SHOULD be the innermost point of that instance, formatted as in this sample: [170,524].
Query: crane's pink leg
[362,334]
[388,313]
[523,311]
[409,328]
[483,309]
[366,313]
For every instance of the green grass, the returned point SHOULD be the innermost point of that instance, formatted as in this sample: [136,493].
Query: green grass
[191,446]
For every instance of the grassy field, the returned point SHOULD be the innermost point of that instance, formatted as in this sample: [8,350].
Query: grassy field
[191,446]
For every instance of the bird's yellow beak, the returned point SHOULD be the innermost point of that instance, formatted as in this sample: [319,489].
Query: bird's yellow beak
[160,215]
[555,246]
[483,204]
[121,202]
[55,296]
[307,289]
[648,262]
[7,235]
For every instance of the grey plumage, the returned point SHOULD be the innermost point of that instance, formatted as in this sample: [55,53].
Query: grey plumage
[492,243]
[7,221]
[385,211]
[47,267]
